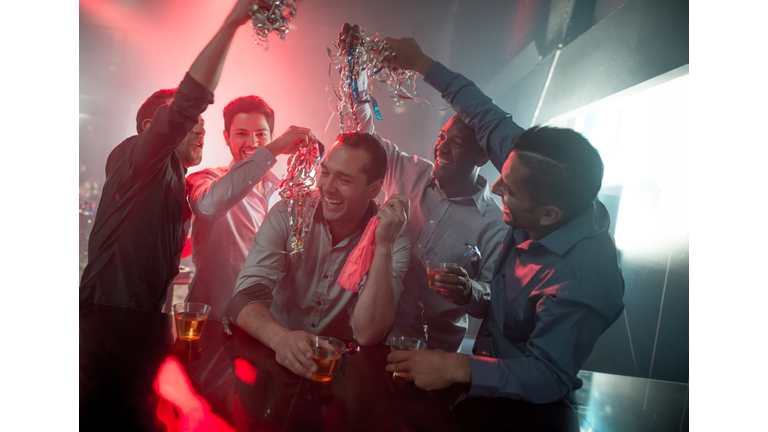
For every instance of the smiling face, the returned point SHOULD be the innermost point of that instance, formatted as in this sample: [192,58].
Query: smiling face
[456,151]
[190,149]
[248,132]
[520,209]
[343,185]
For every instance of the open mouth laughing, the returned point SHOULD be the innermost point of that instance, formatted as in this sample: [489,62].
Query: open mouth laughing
[332,204]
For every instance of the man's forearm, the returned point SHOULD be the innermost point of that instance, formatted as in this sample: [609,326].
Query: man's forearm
[207,67]
[212,198]
[479,299]
[256,320]
[375,310]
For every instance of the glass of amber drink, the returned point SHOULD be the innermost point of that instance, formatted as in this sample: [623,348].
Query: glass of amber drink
[190,319]
[434,269]
[326,353]
[398,343]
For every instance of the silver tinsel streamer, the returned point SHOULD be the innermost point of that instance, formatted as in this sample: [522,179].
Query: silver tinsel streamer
[272,19]
[296,188]
[364,57]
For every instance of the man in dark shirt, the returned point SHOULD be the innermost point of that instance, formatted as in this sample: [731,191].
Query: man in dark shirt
[139,230]
[556,285]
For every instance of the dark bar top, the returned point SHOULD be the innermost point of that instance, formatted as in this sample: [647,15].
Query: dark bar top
[121,351]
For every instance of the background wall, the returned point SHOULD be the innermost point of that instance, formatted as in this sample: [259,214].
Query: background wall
[614,70]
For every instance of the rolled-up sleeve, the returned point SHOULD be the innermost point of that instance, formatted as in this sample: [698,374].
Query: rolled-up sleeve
[479,300]
[264,267]
[170,125]
[401,258]
[402,168]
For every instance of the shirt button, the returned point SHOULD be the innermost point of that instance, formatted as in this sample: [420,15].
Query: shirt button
[325,276]
[269,162]
[431,221]
[313,326]
[318,303]
[250,182]
[419,245]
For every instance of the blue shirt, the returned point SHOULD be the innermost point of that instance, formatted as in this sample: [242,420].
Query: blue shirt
[550,299]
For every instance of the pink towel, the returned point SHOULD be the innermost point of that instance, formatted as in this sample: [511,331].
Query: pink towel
[359,261]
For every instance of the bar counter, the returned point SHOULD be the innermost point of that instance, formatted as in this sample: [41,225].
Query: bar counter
[122,350]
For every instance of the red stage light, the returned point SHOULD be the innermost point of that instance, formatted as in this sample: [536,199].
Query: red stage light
[173,385]
[245,371]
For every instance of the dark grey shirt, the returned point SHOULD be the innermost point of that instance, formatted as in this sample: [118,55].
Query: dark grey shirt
[301,291]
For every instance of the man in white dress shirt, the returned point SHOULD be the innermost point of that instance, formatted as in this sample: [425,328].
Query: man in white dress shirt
[229,203]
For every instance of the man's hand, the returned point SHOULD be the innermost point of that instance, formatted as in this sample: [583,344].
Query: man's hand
[286,143]
[241,12]
[347,31]
[392,218]
[293,352]
[409,56]
[431,369]
[454,284]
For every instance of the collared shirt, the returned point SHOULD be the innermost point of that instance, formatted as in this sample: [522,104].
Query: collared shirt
[550,299]
[139,231]
[440,228]
[301,290]
[226,213]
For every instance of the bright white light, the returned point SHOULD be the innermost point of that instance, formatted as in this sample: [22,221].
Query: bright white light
[643,142]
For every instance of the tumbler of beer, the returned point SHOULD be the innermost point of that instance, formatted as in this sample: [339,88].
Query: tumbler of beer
[434,269]
[326,353]
[190,319]
[398,343]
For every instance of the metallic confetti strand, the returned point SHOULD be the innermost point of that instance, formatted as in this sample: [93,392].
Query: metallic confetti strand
[364,57]
[296,188]
[272,19]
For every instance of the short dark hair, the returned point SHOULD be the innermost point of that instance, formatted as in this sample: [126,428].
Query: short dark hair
[565,169]
[377,166]
[248,104]
[150,106]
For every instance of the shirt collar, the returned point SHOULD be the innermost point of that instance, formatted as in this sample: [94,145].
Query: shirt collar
[571,233]
[481,198]
[271,183]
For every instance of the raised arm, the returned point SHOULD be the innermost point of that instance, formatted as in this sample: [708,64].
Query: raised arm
[400,165]
[374,313]
[494,128]
[171,123]
[207,67]
[212,197]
